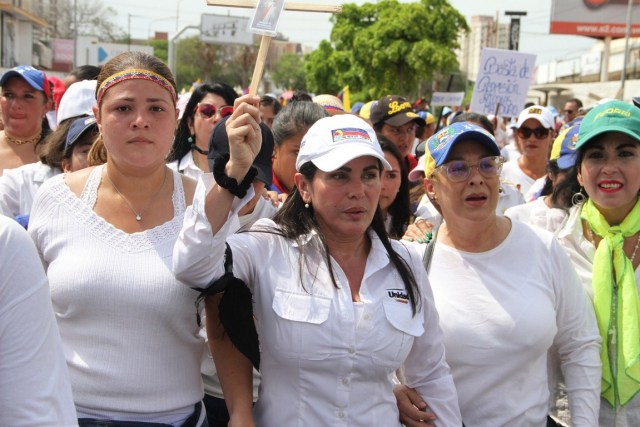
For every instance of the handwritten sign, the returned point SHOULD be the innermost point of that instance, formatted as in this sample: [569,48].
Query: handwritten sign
[448,99]
[503,81]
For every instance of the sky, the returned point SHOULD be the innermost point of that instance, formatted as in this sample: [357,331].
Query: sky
[148,16]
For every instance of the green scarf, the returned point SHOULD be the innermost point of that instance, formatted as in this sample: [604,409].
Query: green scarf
[616,300]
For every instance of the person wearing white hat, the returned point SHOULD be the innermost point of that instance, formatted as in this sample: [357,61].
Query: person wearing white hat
[338,306]
[535,130]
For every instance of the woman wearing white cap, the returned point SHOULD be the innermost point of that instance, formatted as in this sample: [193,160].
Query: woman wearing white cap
[505,293]
[338,306]
[536,133]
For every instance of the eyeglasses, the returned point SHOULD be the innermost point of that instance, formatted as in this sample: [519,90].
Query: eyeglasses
[210,110]
[539,132]
[459,170]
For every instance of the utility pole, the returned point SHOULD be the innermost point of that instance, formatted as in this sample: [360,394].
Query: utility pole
[514,29]
[626,51]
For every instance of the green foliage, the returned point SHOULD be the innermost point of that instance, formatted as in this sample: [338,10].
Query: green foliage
[197,61]
[386,48]
[160,49]
[288,72]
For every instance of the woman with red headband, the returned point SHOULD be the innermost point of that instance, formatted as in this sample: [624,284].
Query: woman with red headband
[105,235]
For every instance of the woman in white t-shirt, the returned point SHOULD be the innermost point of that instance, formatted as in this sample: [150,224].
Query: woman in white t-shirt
[505,293]
[105,235]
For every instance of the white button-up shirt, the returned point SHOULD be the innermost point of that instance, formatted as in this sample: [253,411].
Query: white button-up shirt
[324,362]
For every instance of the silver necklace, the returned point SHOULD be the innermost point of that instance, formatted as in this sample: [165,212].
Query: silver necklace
[139,214]
[635,249]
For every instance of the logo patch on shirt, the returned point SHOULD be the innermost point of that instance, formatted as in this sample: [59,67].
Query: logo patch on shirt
[346,134]
[399,295]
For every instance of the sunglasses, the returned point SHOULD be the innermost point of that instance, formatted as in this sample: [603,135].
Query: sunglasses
[459,170]
[568,111]
[209,110]
[539,133]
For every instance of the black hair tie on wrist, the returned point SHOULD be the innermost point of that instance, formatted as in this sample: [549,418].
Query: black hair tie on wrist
[230,184]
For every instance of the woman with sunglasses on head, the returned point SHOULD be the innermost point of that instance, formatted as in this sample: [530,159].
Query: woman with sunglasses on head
[338,306]
[208,105]
[535,134]
[105,235]
[602,237]
[505,293]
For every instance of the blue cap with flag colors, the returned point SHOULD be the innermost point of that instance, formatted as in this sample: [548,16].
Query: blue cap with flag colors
[336,140]
[35,78]
[443,141]
[563,150]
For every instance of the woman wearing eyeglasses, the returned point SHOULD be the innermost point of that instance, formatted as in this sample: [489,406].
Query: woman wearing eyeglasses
[505,293]
[535,133]
[208,105]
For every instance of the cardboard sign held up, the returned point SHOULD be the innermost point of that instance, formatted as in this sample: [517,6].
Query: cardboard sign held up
[265,22]
[266,17]
[447,99]
[503,81]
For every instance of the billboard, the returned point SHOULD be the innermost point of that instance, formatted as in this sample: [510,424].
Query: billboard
[219,29]
[595,18]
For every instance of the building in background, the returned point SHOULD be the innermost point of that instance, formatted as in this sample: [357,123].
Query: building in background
[484,32]
[23,33]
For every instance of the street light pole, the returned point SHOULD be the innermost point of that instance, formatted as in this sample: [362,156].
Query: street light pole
[514,29]
[178,15]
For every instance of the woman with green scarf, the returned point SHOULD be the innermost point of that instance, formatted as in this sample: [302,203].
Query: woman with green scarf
[602,238]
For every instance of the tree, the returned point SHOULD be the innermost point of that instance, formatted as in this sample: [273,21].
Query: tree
[160,49]
[198,61]
[93,19]
[386,48]
[288,72]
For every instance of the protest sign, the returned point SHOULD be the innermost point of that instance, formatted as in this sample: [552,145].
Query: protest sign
[447,99]
[503,81]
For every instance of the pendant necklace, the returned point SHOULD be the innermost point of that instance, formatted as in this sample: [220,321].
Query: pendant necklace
[138,215]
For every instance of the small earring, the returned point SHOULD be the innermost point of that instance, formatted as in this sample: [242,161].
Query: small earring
[190,139]
[306,205]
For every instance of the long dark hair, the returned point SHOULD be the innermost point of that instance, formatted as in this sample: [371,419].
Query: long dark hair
[181,144]
[295,220]
[400,208]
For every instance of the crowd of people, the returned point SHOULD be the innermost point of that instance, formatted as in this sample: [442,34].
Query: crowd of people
[398,265]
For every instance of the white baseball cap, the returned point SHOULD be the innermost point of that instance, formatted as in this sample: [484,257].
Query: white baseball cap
[334,141]
[538,112]
[78,100]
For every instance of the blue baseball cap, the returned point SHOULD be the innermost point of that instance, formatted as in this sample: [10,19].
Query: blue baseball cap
[78,127]
[443,141]
[35,78]
[563,150]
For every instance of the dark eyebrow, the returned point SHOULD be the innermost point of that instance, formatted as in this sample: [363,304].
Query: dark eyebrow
[348,169]
[627,145]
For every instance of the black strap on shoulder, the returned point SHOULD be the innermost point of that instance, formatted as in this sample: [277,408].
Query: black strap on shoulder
[428,253]
[235,310]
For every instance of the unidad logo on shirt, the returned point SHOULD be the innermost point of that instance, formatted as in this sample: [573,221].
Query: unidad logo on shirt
[399,295]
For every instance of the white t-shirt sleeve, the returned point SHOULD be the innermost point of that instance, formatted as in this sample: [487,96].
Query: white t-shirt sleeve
[198,254]
[577,341]
[426,368]
[34,381]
